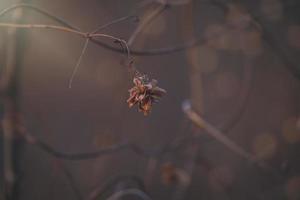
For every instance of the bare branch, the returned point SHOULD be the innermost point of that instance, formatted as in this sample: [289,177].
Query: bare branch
[218,135]
[148,19]
[39,10]
[84,48]
[99,191]
[70,179]
[127,192]
[83,156]
[150,52]
[86,35]
[114,22]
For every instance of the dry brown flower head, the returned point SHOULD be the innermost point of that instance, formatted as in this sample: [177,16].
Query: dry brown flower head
[144,93]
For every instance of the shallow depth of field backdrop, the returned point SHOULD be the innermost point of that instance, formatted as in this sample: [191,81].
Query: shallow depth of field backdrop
[241,76]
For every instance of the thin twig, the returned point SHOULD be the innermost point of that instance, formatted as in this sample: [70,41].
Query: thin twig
[94,154]
[121,19]
[43,26]
[227,142]
[114,22]
[84,48]
[59,28]
[145,22]
[68,30]
[39,10]
[70,179]
[83,156]
[218,135]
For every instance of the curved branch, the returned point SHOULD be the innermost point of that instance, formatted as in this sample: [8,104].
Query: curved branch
[99,191]
[153,52]
[30,139]
[242,100]
[67,26]
[150,52]
[94,154]
[127,192]
[114,22]
[70,179]
[39,10]
[86,35]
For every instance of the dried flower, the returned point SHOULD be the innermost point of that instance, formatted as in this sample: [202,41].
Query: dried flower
[144,93]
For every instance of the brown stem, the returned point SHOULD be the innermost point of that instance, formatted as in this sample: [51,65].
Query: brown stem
[218,135]
[148,19]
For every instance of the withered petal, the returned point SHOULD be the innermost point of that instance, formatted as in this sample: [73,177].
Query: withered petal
[154,82]
[159,92]
[137,81]
[131,101]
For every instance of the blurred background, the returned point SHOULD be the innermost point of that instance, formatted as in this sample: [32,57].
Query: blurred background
[237,61]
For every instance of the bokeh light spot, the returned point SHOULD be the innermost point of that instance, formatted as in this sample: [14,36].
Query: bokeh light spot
[290,131]
[292,188]
[264,146]
[271,9]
